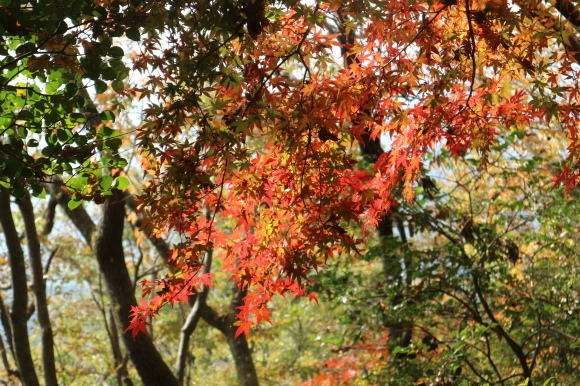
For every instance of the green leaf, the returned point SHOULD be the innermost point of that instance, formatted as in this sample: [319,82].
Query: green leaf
[97,31]
[114,143]
[26,115]
[38,191]
[100,12]
[52,86]
[107,116]
[116,51]
[63,135]
[100,86]
[548,381]
[19,191]
[106,182]
[49,151]
[133,34]
[77,117]
[72,204]
[118,85]
[71,89]
[117,31]
[120,163]
[109,73]
[121,183]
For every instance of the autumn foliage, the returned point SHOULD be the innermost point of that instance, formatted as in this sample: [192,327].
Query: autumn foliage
[260,121]
[409,165]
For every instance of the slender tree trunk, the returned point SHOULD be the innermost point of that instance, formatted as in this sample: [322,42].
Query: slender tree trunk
[186,330]
[19,312]
[239,347]
[5,320]
[191,323]
[120,361]
[39,289]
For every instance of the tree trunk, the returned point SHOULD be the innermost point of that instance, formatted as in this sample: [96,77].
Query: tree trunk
[242,354]
[239,347]
[5,320]
[108,248]
[107,244]
[19,312]
[39,288]
[120,361]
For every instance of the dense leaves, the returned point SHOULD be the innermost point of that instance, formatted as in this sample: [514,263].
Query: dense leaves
[54,56]
[260,127]
[278,136]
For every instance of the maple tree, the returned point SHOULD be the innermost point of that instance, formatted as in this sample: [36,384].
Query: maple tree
[260,127]
[255,113]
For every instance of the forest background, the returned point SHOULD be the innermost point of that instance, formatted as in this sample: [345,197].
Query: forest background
[287,192]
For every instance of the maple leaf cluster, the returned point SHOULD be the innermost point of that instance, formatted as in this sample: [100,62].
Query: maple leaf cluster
[264,130]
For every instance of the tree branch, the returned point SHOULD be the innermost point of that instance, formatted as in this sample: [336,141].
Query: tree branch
[191,323]
[78,216]
[497,327]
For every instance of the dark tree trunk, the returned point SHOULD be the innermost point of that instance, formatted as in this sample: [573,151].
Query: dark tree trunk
[108,248]
[5,320]
[19,313]
[39,288]
[239,347]
[120,361]
[242,354]
[106,241]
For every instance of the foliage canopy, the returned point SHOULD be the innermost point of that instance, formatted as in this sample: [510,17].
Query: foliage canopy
[278,135]
[260,127]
